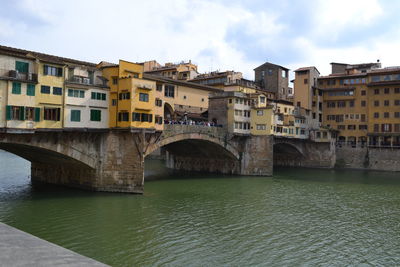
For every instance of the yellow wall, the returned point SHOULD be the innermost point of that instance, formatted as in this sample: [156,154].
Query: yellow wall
[109,73]
[49,100]
[264,119]
[127,69]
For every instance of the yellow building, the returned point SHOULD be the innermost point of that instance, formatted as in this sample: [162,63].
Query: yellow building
[18,84]
[383,103]
[177,71]
[132,98]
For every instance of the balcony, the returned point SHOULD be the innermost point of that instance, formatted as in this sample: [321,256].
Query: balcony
[7,74]
[99,81]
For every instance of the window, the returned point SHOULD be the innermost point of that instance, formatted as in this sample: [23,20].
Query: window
[95,115]
[363,118]
[330,104]
[376,128]
[21,67]
[135,116]
[260,112]
[386,90]
[341,93]
[98,96]
[386,127]
[230,100]
[397,127]
[124,96]
[15,113]
[362,127]
[397,90]
[29,113]
[75,115]
[386,103]
[376,115]
[114,80]
[169,91]
[147,117]
[363,103]
[52,114]
[30,89]
[397,114]
[397,102]
[45,89]
[341,127]
[159,87]
[261,127]
[351,103]
[158,119]
[363,92]
[76,93]
[114,102]
[143,97]
[339,118]
[386,114]
[262,99]
[53,71]
[57,91]
[16,88]
[305,81]
[376,103]
[351,127]
[158,102]
[341,104]
[376,91]
[123,116]
[202,100]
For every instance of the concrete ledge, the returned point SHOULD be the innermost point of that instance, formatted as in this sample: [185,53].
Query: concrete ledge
[18,248]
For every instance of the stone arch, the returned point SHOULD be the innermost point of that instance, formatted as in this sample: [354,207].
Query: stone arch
[36,150]
[289,145]
[195,136]
[168,111]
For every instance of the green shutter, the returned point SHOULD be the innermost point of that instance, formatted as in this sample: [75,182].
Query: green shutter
[99,117]
[45,70]
[16,88]
[8,112]
[30,90]
[21,113]
[103,97]
[22,67]
[93,95]
[37,114]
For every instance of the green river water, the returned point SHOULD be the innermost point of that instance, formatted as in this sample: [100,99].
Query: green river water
[298,217]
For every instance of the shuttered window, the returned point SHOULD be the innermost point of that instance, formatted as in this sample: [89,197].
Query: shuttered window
[30,89]
[16,88]
[75,115]
[21,67]
[95,115]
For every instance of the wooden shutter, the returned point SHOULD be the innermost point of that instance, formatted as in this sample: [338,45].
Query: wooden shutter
[37,114]
[8,112]
[22,113]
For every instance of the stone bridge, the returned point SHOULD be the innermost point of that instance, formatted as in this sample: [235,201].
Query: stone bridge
[113,160]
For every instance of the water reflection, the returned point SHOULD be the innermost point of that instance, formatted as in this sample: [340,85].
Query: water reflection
[299,216]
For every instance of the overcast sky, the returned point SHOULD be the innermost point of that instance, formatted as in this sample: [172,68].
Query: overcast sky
[216,35]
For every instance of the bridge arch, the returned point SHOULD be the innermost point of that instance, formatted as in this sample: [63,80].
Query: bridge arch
[46,151]
[287,153]
[230,151]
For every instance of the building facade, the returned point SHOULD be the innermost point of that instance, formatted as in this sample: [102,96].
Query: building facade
[273,78]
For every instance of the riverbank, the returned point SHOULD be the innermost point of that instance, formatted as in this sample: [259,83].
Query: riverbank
[18,248]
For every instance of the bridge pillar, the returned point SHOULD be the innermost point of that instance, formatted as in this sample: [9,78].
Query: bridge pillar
[257,155]
[119,165]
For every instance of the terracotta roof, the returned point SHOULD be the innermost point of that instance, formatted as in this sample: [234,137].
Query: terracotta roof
[44,57]
[306,68]
[271,64]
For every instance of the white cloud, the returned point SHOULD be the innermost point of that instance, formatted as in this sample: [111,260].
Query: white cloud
[176,30]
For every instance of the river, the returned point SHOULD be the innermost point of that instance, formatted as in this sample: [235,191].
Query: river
[297,217]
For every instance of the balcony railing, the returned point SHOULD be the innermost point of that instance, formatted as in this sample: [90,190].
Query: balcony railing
[18,76]
[85,81]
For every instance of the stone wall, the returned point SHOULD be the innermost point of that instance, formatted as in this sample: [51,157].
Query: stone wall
[383,159]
